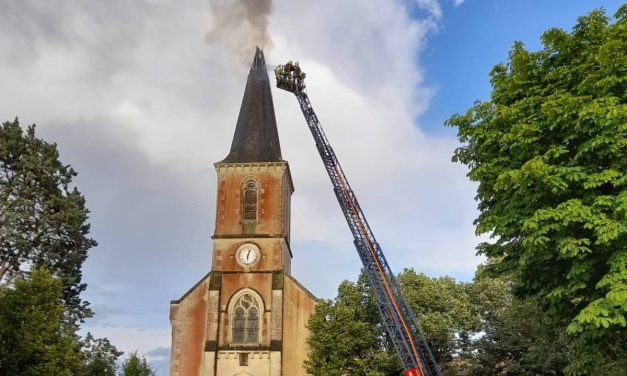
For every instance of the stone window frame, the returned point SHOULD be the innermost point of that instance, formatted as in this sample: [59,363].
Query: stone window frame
[256,298]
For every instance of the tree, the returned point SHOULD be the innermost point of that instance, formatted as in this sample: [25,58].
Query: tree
[346,336]
[35,338]
[476,328]
[513,338]
[43,227]
[134,366]
[43,219]
[445,313]
[99,357]
[549,151]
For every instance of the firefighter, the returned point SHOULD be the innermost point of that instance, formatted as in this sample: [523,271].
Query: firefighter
[297,70]
[278,71]
[289,67]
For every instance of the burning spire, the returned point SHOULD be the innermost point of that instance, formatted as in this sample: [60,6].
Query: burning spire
[256,137]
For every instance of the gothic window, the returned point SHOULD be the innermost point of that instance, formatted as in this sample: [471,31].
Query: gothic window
[245,320]
[253,326]
[239,325]
[250,200]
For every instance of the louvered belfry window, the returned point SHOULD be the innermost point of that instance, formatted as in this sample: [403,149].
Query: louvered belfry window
[246,321]
[250,200]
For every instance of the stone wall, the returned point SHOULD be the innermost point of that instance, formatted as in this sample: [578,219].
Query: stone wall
[257,363]
[299,304]
[188,317]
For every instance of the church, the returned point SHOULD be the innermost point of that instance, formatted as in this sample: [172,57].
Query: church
[248,315]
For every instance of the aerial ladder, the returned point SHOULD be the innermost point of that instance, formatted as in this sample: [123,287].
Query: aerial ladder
[396,315]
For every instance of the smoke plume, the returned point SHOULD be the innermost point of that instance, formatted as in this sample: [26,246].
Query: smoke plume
[240,25]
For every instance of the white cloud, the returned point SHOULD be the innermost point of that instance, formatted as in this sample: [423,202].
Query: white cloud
[458,2]
[133,339]
[142,106]
[432,6]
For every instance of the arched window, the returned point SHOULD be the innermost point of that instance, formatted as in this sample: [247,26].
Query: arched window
[245,312]
[250,200]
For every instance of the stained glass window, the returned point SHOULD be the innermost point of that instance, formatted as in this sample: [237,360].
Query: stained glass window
[253,326]
[239,325]
[246,320]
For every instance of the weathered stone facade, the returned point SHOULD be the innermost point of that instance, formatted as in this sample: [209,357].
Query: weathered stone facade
[247,316]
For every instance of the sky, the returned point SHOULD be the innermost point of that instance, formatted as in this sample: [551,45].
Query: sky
[142,98]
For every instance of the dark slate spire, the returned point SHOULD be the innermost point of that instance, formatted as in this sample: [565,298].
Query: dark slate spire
[256,138]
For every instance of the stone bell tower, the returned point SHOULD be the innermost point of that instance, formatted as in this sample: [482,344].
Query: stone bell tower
[248,315]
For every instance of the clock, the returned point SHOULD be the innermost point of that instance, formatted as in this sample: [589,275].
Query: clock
[247,254]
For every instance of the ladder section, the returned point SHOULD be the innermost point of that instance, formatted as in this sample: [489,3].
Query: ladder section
[396,315]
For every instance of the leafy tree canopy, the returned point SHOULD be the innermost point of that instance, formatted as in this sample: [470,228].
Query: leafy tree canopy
[549,151]
[474,328]
[136,366]
[346,336]
[35,338]
[99,357]
[444,311]
[43,228]
[514,338]
[43,219]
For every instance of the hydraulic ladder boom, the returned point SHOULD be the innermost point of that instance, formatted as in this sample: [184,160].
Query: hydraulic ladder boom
[398,319]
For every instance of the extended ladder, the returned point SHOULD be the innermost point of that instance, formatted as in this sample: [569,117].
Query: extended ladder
[397,317]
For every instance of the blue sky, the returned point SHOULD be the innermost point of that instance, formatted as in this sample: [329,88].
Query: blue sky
[141,102]
[476,35]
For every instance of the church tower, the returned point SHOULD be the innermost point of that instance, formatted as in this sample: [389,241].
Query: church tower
[247,316]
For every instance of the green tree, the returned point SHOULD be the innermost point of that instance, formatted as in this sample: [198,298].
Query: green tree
[445,313]
[35,338]
[43,219]
[514,338]
[549,153]
[346,336]
[99,357]
[136,366]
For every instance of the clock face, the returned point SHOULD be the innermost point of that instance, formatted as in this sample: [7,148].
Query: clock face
[248,254]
